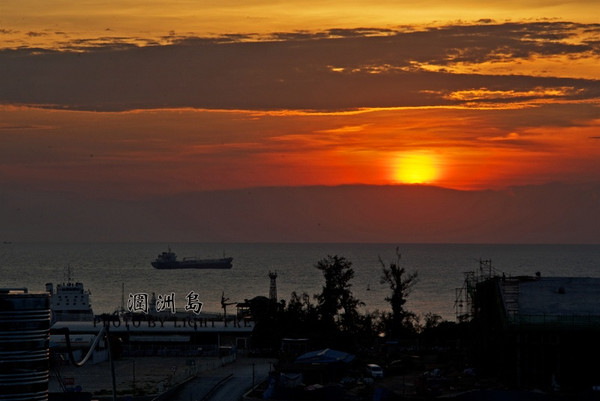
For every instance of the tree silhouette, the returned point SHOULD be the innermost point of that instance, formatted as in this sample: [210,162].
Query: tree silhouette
[336,302]
[401,286]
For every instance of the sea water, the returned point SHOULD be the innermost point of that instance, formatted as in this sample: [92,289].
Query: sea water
[115,272]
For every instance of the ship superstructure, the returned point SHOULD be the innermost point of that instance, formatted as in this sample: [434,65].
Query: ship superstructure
[70,301]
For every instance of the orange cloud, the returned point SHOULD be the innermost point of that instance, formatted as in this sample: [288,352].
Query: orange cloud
[145,152]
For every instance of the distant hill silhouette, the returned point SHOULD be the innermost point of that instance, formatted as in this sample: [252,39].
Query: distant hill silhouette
[550,213]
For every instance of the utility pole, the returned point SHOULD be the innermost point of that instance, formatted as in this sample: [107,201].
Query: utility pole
[224,304]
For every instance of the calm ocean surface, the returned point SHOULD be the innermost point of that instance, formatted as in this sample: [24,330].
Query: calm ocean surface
[107,269]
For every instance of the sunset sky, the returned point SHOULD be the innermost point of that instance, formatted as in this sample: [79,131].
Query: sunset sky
[144,99]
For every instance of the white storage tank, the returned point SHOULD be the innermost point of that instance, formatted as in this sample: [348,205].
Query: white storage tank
[24,345]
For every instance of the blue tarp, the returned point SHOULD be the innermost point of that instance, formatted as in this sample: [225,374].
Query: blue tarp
[325,356]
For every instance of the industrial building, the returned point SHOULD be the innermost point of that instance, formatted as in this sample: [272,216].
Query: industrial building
[535,331]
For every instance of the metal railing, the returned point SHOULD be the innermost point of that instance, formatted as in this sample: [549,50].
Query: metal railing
[572,321]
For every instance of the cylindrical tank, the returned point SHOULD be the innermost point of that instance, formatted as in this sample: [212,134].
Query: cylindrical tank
[24,345]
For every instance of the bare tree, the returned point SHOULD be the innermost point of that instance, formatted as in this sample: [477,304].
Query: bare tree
[401,285]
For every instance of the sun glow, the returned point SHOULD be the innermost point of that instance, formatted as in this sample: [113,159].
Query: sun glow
[416,168]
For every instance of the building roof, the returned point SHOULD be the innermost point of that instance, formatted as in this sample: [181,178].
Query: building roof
[560,296]
[324,356]
[154,327]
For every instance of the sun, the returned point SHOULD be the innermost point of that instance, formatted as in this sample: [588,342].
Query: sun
[416,168]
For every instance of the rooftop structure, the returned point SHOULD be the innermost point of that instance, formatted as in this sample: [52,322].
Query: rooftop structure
[563,302]
[537,330]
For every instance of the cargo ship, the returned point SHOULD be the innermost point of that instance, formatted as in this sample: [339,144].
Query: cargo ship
[168,260]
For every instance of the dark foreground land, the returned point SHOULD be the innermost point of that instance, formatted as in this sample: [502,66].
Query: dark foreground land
[183,378]
[145,378]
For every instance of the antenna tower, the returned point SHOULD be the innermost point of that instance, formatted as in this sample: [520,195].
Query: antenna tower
[273,286]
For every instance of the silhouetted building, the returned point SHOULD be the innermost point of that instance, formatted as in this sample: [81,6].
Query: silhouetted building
[539,331]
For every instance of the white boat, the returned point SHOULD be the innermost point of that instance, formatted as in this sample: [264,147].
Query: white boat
[70,302]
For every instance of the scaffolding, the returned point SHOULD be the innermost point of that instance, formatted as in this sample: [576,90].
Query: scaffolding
[465,295]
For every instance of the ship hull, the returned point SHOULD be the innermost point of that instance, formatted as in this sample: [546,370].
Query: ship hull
[224,263]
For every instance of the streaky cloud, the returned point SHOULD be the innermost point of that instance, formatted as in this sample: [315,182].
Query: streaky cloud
[337,69]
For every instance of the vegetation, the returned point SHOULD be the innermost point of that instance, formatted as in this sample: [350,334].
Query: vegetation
[331,318]
[337,307]
[401,321]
